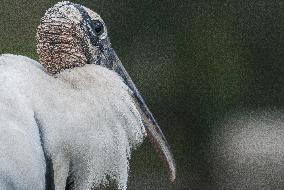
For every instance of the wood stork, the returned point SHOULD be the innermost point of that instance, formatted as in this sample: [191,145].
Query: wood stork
[77,113]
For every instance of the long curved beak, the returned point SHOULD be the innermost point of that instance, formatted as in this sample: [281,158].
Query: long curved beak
[154,132]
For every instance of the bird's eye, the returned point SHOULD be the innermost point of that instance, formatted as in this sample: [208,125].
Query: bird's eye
[98,27]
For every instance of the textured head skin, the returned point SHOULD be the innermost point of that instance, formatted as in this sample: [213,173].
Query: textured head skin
[61,41]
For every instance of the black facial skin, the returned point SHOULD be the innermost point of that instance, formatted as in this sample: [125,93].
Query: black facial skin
[88,26]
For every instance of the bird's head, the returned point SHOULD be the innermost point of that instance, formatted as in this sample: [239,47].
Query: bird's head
[71,35]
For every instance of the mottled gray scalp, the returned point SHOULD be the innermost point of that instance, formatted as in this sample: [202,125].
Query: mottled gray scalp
[61,43]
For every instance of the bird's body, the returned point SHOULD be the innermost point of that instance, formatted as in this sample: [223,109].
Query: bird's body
[88,119]
[76,114]
[22,163]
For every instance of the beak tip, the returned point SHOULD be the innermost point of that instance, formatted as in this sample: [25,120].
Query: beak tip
[157,138]
[173,178]
[173,173]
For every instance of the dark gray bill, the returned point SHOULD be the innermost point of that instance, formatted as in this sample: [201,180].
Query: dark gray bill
[154,132]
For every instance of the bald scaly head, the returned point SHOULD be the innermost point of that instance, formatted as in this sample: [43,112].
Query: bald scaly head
[69,36]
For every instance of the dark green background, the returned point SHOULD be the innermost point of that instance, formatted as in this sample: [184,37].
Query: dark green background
[194,62]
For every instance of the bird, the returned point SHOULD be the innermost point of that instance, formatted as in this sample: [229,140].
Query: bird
[72,119]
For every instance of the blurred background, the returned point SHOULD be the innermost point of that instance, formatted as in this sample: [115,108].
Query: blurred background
[196,63]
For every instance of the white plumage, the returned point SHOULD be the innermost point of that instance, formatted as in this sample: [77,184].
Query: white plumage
[87,115]
[22,164]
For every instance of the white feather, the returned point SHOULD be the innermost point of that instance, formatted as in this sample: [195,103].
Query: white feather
[22,164]
[88,118]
